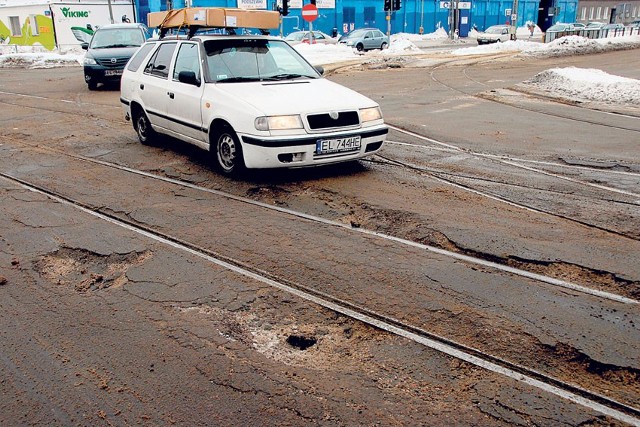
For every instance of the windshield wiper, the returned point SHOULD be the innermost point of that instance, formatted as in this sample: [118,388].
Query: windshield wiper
[116,45]
[288,76]
[239,79]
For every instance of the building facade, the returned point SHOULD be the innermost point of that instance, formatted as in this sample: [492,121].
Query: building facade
[610,11]
[414,15]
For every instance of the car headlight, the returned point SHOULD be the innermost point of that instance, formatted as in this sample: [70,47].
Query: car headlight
[89,61]
[370,114]
[278,122]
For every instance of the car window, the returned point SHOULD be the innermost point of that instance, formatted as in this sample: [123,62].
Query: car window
[139,56]
[318,36]
[378,34]
[235,60]
[106,38]
[188,59]
[159,63]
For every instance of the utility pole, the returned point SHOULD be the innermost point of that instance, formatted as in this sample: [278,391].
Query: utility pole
[111,13]
[514,20]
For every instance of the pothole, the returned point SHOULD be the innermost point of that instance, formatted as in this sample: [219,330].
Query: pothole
[86,270]
[301,342]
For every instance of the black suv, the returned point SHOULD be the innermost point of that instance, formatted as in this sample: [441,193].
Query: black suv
[109,51]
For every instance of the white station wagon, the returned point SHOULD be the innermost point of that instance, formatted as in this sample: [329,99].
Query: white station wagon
[251,101]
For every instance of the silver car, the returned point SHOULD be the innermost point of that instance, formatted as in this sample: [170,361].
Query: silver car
[365,39]
[494,34]
[303,37]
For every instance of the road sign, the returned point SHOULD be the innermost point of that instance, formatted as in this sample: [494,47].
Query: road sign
[309,12]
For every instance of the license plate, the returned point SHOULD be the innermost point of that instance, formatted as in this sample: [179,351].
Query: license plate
[113,72]
[338,145]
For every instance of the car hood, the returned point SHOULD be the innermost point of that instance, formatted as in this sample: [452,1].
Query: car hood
[488,36]
[296,96]
[116,52]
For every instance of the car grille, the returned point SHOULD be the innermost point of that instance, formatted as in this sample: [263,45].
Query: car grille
[106,62]
[324,121]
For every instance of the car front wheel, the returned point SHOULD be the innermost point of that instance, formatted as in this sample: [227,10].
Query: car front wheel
[146,134]
[227,152]
[384,46]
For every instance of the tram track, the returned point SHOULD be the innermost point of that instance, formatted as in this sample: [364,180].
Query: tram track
[593,400]
[490,96]
[457,255]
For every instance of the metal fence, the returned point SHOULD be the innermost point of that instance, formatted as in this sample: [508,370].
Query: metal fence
[550,36]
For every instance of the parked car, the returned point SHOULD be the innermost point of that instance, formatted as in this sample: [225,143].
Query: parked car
[494,34]
[561,27]
[365,39]
[251,101]
[109,50]
[594,25]
[613,27]
[578,25]
[303,37]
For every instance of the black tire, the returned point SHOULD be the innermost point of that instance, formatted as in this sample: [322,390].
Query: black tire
[92,85]
[142,125]
[383,46]
[226,152]
[360,47]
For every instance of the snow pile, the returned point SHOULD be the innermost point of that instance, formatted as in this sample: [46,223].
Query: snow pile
[440,33]
[577,45]
[564,46]
[40,60]
[402,46]
[587,84]
[321,54]
[508,46]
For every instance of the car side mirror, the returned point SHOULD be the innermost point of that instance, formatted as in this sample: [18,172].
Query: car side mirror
[188,77]
[85,46]
[319,69]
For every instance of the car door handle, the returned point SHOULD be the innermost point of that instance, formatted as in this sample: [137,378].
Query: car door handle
[141,86]
[171,95]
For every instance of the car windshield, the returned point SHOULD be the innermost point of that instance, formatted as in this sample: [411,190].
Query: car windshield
[117,37]
[494,30]
[296,36]
[354,34]
[242,60]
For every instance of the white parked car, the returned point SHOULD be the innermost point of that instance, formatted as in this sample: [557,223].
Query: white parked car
[494,34]
[251,101]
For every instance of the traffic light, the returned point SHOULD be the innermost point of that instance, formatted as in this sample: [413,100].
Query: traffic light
[387,5]
[396,4]
[285,7]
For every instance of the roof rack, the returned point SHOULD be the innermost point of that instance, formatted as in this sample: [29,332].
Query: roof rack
[193,19]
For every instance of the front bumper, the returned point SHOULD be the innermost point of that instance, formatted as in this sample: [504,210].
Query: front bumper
[101,74]
[274,152]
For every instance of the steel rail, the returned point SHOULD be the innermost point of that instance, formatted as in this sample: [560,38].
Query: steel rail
[589,399]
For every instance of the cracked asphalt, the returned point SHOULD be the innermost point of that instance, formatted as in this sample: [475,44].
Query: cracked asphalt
[104,326]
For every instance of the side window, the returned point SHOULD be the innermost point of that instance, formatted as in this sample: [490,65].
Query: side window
[159,63]
[139,56]
[188,59]
[318,36]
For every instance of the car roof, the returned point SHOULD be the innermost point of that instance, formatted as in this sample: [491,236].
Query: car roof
[206,37]
[124,25]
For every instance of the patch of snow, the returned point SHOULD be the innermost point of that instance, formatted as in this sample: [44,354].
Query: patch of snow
[587,84]
[40,60]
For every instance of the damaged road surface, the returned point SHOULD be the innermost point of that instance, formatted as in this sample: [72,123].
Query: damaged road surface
[424,287]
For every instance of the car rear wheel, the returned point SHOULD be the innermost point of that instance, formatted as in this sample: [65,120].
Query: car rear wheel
[227,152]
[142,125]
[360,47]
